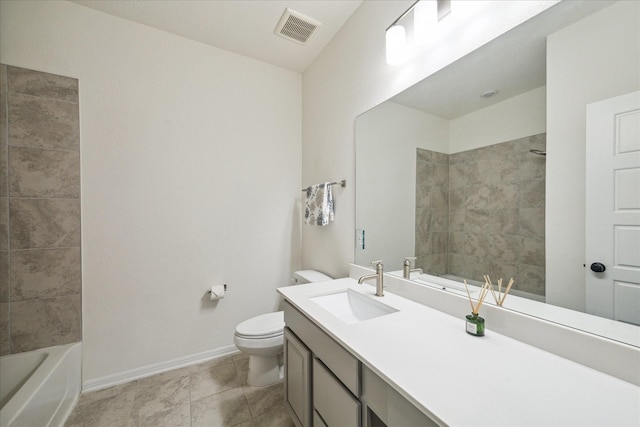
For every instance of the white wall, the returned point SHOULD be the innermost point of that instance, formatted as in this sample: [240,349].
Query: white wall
[351,77]
[190,176]
[513,118]
[386,140]
[594,59]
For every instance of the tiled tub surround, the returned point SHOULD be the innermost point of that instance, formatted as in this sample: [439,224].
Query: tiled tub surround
[40,286]
[482,212]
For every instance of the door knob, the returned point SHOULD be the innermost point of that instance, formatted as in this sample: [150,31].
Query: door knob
[598,267]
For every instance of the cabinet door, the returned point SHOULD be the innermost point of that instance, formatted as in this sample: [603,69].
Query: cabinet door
[333,401]
[297,379]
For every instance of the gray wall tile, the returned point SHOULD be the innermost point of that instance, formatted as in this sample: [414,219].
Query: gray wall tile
[40,268]
[46,322]
[439,197]
[45,273]
[532,222]
[504,221]
[44,223]
[4,223]
[3,104]
[45,85]
[4,276]
[37,172]
[495,215]
[504,196]
[5,339]
[423,198]
[531,279]
[477,196]
[532,193]
[4,170]
[40,122]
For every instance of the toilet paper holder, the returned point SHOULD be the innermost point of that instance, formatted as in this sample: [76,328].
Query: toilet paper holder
[225,289]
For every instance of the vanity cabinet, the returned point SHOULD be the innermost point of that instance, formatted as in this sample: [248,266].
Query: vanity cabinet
[332,402]
[384,406]
[326,386]
[322,379]
[297,379]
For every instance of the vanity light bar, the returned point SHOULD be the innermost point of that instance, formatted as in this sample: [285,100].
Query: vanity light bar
[396,43]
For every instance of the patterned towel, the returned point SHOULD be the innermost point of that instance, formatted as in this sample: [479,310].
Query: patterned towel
[319,205]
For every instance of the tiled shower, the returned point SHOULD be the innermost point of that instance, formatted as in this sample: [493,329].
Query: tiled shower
[40,261]
[482,212]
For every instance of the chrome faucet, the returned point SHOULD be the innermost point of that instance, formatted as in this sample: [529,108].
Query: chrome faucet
[379,276]
[406,267]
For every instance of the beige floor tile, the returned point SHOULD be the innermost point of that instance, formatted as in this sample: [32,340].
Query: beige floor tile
[208,394]
[225,409]
[108,412]
[277,417]
[94,396]
[264,399]
[214,379]
[179,416]
[242,366]
[155,395]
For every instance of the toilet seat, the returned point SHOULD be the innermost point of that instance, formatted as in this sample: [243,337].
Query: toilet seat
[269,325]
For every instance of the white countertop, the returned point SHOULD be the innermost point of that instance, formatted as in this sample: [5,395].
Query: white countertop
[461,380]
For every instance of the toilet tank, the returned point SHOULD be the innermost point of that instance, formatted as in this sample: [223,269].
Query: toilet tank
[309,276]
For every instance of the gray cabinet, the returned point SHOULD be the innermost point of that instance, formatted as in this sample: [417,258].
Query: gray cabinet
[329,396]
[332,401]
[326,386]
[297,379]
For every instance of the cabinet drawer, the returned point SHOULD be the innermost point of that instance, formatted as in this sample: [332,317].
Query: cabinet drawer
[342,363]
[335,404]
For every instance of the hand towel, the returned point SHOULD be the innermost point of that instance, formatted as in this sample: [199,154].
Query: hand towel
[319,205]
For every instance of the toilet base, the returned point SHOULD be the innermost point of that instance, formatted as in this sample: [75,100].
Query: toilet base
[264,371]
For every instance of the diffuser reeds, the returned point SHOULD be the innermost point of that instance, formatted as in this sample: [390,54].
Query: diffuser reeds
[500,296]
[483,293]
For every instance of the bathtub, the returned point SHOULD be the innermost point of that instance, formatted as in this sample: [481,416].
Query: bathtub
[40,387]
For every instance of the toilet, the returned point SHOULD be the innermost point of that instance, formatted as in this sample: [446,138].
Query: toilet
[262,338]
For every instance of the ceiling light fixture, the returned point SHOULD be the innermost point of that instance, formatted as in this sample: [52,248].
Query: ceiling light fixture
[426,14]
[396,42]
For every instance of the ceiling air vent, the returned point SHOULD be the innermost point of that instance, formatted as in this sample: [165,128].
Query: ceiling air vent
[296,27]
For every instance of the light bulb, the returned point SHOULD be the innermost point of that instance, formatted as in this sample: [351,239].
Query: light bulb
[396,43]
[425,19]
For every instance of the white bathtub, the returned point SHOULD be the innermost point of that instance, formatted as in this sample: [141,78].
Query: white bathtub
[40,387]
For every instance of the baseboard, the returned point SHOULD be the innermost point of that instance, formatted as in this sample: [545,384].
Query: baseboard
[157,368]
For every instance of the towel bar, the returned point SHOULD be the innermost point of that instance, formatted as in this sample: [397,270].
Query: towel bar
[342,183]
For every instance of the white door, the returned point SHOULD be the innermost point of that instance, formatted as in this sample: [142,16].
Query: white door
[613,208]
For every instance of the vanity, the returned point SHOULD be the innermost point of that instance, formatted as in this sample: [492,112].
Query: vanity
[355,359]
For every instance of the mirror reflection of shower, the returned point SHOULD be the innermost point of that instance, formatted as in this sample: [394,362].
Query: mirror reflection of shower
[481,212]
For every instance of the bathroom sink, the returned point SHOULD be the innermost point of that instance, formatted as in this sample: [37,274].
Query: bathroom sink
[351,306]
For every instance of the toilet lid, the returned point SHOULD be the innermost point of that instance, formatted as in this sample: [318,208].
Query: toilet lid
[265,325]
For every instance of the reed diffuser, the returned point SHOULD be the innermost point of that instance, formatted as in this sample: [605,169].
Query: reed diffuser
[500,296]
[475,323]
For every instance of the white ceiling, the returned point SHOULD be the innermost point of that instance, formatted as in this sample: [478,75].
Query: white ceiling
[245,27]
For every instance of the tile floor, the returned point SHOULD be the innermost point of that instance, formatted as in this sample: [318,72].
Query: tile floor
[211,394]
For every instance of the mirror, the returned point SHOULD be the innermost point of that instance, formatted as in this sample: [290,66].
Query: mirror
[452,171]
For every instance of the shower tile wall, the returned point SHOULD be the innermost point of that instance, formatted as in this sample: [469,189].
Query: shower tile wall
[496,213]
[432,213]
[40,266]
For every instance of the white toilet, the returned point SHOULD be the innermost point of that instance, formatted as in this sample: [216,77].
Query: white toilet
[262,338]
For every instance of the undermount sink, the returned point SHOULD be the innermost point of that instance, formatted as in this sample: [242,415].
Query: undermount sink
[351,306]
